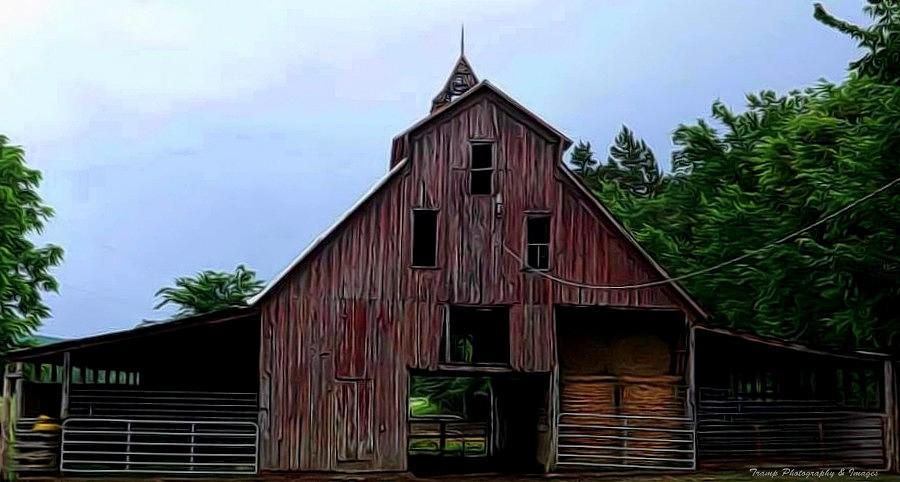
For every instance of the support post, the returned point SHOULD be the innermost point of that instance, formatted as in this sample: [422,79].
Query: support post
[12,388]
[553,418]
[4,423]
[892,462]
[692,392]
[66,382]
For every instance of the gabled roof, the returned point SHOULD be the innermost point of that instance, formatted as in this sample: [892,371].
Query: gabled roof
[462,78]
[139,331]
[565,143]
[631,240]
[482,86]
[327,233]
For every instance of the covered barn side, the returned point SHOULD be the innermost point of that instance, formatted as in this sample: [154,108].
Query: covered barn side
[175,397]
[764,401]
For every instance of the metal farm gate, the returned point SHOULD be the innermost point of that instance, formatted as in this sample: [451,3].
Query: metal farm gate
[616,425]
[160,432]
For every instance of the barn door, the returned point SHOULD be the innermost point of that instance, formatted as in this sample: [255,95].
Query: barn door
[353,381]
[353,350]
[353,411]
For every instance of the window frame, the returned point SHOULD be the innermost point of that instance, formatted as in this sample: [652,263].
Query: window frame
[526,242]
[490,169]
[446,345]
[412,244]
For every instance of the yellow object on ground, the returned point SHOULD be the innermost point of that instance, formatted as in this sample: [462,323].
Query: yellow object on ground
[45,424]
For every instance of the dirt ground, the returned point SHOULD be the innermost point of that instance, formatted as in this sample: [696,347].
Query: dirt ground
[693,477]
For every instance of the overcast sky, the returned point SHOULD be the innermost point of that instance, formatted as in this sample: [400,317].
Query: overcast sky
[180,136]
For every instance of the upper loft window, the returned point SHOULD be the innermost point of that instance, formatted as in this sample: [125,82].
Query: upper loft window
[537,243]
[477,336]
[424,238]
[481,168]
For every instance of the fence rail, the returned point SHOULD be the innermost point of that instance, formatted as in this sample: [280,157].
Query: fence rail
[449,438]
[167,405]
[733,432]
[119,445]
[601,441]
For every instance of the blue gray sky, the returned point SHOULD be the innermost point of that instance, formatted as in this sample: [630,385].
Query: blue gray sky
[181,136]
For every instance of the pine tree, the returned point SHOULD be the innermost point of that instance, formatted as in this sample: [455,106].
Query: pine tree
[640,173]
[582,159]
[609,172]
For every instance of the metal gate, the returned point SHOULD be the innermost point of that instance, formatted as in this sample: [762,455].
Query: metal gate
[119,445]
[733,432]
[606,441]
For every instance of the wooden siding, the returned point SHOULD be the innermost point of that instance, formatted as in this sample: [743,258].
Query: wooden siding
[342,330]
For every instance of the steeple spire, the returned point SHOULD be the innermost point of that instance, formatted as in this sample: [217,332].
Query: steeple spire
[462,40]
[461,79]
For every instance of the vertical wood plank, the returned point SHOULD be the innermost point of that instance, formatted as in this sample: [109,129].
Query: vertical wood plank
[6,423]
[891,449]
[65,385]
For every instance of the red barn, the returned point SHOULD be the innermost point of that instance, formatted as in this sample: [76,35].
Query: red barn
[479,309]
[466,231]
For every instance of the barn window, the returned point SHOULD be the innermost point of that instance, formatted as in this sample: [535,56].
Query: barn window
[537,243]
[481,168]
[477,336]
[424,243]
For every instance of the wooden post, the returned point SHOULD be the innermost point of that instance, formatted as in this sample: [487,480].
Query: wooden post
[4,423]
[892,462]
[66,382]
[553,417]
[12,395]
[692,392]
[18,390]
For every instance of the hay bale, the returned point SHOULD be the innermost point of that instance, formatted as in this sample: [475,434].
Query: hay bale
[584,355]
[642,355]
[657,397]
[648,398]
[588,396]
[584,397]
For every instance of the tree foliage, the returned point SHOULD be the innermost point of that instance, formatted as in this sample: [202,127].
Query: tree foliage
[583,158]
[881,60]
[631,165]
[24,267]
[210,291]
[748,178]
[638,170]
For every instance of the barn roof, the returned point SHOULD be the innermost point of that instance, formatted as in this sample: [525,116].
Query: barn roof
[482,86]
[328,232]
[486,85]
[461,79]
[139,331]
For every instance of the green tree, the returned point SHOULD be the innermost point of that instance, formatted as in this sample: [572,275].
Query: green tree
[780,165]
[639,172]
[582,159]
[881,60]
[24,267]
[210,291]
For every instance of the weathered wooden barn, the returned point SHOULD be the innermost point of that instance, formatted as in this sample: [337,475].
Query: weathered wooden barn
[478,258]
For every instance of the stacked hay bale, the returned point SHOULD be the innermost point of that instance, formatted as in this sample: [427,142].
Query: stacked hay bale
[586,396]
[641,363]
[618,376]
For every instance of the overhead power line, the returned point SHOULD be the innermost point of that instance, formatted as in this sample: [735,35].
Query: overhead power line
[736,259]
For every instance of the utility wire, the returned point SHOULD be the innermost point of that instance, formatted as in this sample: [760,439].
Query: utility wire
[744,256]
